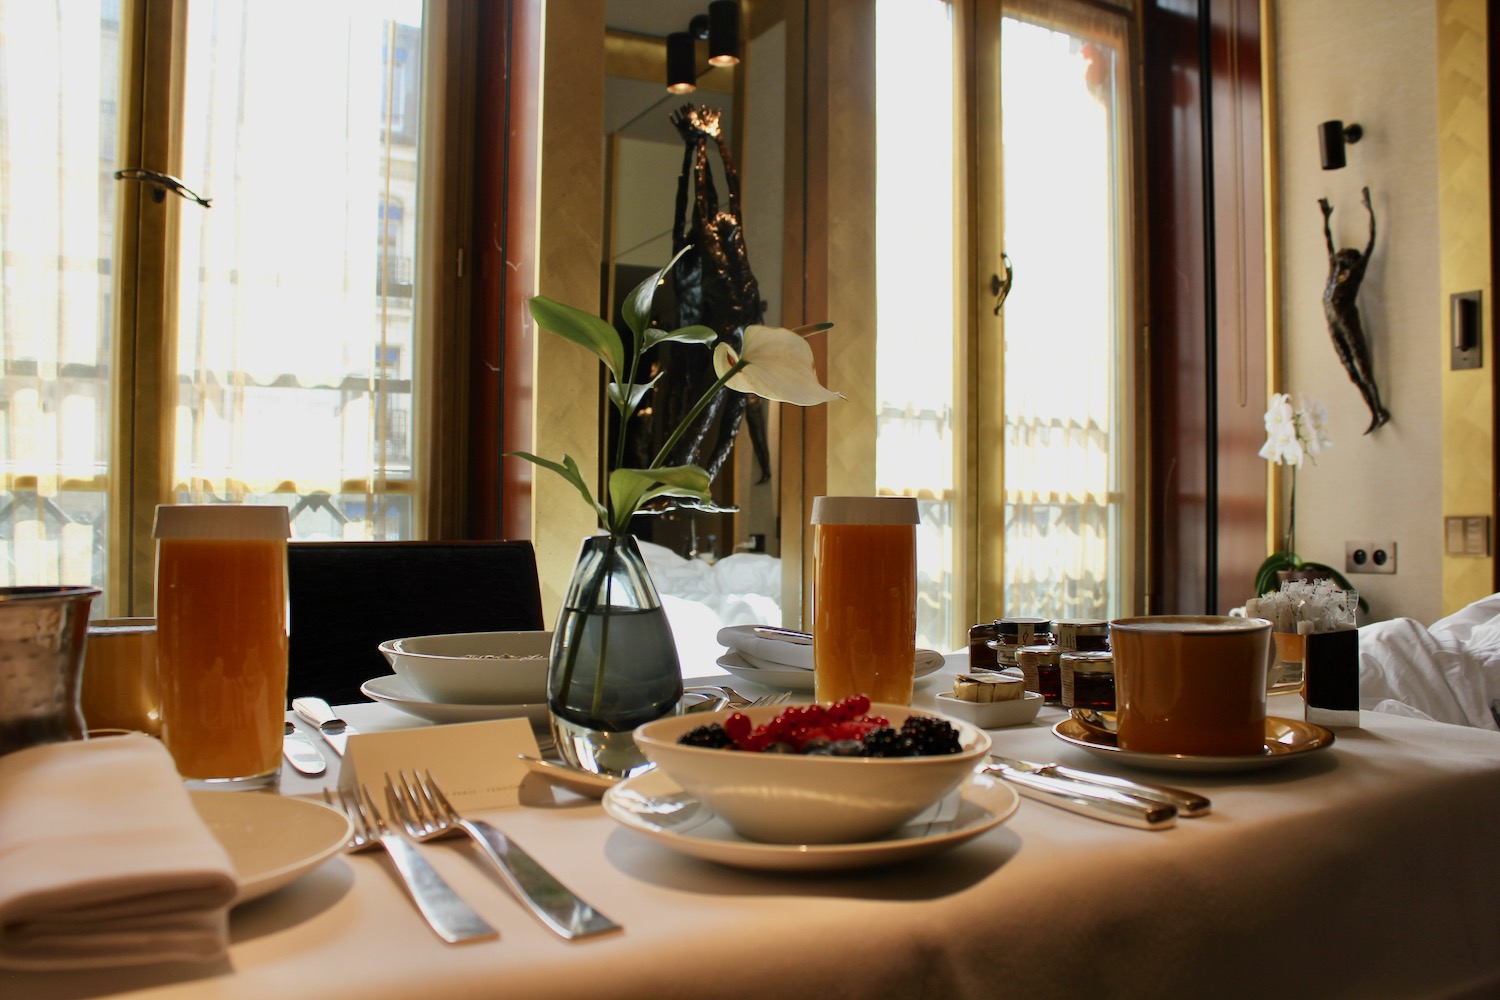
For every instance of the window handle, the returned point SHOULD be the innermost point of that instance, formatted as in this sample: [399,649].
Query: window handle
[1001,289]
[162,183]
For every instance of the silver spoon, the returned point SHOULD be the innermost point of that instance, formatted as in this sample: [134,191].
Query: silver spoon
[575,779]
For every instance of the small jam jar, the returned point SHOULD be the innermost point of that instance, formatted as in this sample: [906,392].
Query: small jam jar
[1088,680]
[981,653]
[1017,632]
[1042,670]
[1086,634]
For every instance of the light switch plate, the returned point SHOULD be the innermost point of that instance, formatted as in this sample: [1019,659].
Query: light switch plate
[1369,557]
[1466,536]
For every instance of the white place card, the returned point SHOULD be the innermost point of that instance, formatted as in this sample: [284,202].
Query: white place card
[475,763]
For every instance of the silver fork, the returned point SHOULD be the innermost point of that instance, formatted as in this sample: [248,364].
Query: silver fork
[422,808]
[449,916]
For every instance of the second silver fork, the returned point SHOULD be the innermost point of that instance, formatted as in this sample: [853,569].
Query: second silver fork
[447,914]
[425,812]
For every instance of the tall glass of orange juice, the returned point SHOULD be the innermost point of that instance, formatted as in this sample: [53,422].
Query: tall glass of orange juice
[864,597]
[221,636]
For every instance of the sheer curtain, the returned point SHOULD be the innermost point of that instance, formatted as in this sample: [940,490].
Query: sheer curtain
[1066,137]
[916,438]
[294,345]
[59,67]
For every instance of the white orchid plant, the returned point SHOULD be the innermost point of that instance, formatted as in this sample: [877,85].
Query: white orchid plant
[1294,434]
[771,362]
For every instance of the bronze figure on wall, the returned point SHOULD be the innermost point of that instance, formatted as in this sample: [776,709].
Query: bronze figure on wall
[1346,270]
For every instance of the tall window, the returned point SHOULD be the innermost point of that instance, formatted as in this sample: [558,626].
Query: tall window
[287,342]
[1061,213]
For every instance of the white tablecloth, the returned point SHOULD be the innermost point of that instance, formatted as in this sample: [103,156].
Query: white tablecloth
[1369,870]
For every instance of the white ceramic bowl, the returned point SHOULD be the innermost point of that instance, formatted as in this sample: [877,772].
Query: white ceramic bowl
[796,799]
[474,668]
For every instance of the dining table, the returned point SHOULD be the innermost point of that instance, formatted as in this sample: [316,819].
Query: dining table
[1366,869]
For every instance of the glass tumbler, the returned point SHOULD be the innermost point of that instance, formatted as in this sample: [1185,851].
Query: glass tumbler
[221,635]
[864,597]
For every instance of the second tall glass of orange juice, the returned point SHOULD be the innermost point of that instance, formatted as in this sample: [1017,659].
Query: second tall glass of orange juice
[221,624]
[864,597]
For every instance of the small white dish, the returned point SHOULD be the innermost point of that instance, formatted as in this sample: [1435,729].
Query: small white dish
[1286,740]
[395,692]
[797,679]
[271,840]
[655,806]
[994,714]
[473,668]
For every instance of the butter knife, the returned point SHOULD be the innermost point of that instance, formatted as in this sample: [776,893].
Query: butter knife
[335,730]
[1095,801]
[1187,803]
[301,753]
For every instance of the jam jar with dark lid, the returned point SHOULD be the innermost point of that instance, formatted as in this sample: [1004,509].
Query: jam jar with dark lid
[981,653]
[1088,679]
[1025,631]
[1085,634]
[1042,670]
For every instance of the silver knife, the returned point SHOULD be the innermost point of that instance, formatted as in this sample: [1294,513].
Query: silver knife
[335,730]
[1187,803]
[1091,800]
[301,753]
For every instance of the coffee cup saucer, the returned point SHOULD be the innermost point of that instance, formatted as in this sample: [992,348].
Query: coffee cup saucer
[1286,740]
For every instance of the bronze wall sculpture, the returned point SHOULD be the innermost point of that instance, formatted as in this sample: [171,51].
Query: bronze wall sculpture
[1346,270]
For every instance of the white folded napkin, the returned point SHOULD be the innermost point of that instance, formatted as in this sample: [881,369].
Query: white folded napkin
[103,860]
[755,646]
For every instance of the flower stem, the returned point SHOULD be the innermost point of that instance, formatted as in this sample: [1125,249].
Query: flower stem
[609,578]
[1291,519]
[698,407]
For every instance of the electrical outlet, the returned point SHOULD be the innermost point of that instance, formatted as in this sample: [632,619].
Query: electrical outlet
[1369,557]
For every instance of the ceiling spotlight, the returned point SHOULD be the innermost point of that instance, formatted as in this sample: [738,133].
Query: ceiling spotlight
[682,71]
[723,33]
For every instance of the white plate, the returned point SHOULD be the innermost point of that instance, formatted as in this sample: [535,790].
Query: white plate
[797,679]
[271,839]
[993,714]
[653,804]
[395,692]
[1286,740]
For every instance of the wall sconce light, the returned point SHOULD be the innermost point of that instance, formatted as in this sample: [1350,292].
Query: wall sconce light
[720,28]
[1332,136]
[682,58]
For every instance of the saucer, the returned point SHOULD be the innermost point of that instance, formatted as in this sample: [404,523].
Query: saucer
[651,803]
[801,679]
[271,840]
[1286,740]
[395,692]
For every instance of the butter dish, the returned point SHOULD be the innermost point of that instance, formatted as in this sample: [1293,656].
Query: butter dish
[994,714]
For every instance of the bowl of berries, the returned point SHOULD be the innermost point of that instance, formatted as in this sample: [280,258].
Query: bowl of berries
[815,774]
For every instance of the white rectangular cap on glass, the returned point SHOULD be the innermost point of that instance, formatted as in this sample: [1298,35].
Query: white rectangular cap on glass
[221,521]
[865,510]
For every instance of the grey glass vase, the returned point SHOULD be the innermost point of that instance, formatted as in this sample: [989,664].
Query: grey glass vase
[613,664]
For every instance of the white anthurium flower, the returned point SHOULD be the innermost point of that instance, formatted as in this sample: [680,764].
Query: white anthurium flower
[778,365]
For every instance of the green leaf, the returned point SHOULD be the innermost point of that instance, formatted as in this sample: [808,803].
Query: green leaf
[684,334]
[637,306]
[583,329]
[1265,576]
[626,402]
[629,488]
[569,470]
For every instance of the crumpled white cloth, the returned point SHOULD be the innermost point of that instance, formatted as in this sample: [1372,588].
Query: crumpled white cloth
[1449,672]
[104,861]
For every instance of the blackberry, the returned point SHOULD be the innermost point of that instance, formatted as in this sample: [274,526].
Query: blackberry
[711,736]
[886,742]
[931,736]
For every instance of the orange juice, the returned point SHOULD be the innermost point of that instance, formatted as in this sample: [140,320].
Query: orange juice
[119,676]
[221,611]
[864,597]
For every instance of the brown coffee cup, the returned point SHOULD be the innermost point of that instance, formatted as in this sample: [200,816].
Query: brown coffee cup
[1191,685]
[119,689]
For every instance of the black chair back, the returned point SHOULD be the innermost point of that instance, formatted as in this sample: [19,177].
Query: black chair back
[348,597]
